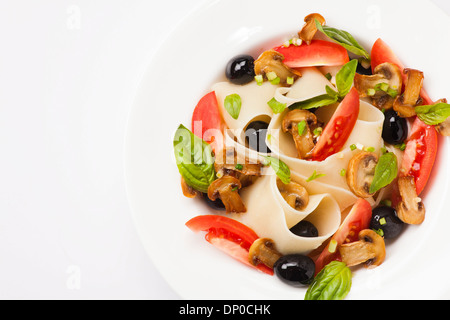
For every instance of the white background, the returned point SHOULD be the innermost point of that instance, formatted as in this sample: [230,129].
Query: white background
[68,74]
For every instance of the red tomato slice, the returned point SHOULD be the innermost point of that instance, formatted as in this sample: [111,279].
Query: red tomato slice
[318,53]
[228,235]
[357,220]
[338,130]
[382,53]
[420,153]
[207,122]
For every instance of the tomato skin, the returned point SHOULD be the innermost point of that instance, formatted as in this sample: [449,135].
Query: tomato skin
[357,220]
[228,235]
[338,130]
[420,154]
[382,53]
[318,53]
[207,123]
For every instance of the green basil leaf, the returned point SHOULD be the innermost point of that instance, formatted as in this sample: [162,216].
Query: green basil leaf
[386,171]
[194,159]
[345,77]
[281,169]
[434,114]
[332,283]
[343,38]
[277,107]
[301,127]
[316,102]
[233,105]
[315,176]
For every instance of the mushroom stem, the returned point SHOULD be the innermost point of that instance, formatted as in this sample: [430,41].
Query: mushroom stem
[406,103]
[411,209]
[304,141]
[263,251]
[370,250]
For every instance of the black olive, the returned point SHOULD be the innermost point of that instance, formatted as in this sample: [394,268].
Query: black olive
[240,70]
[255,134]
[216,205]
[395,128]
[305,229]
[385,218]
[296,270]
[363,71]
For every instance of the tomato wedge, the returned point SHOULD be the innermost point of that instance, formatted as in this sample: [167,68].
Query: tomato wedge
[382,53]
[338,130]
[318,53]
[357,220]
[207,123]
[420,154]
[228,235]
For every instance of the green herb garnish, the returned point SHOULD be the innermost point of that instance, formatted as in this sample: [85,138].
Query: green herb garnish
[233,105]
[194,159]
[434,114]
[277,107]
[281,169]
[315,176]
[332,283]
[386,171]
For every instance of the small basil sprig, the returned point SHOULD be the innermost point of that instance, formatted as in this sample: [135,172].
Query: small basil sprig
[233,105]
[194,159]
[332,283]
[386,171]
[434,114]
[281,169]
[344,39]
[344,82]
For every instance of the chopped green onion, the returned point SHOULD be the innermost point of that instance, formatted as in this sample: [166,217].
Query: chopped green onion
[380,232]
[383,221]
[259,79]
[343,172]
[234,189]
[402,146]
[275,81]
[239,167]
[392,92]
[353,147]
[371,92]
[332,246]
[318,131]
[384,86]
[369,149]
[328,76]
[290,80]
[301,127]
[271,76]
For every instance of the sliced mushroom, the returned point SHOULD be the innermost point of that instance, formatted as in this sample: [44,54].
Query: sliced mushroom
[263,251]
[226,188]
[360,173]
[384,74]
[370,249]
[411,209]
[309,29]
[444,127]
[303,142]
[188,191]
[227,164]
[295,194]
[405,104]
[271,61]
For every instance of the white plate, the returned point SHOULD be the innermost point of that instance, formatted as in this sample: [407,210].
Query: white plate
[183,70]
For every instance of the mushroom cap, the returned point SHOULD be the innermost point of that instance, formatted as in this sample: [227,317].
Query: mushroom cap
[295,194]
[263,251]
[360,173]
[309,30]
[370,250]
[272,61]
[411,209]
[226,188]
[296,116]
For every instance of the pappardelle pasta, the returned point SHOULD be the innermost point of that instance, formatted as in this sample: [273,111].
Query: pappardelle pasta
[311,156]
